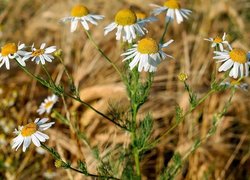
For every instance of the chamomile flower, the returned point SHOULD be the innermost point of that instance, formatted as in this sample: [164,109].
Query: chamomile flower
[147,53]
[31,132]
[11,51]
[80,13]
[236,59]
[41,55]
[142,17]
[218,41]
[236,83]
[173,10]
[127,26]
[47,105]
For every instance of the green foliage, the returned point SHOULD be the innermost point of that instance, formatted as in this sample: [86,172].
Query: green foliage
[178,114]
[143,133]
[138,91]
[105,169]
[172,170]
[192,96]
[120,115]
[57,115]
[196,144]
[128,172]
[83,167]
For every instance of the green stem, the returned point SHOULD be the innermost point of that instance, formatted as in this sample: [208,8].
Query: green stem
[95,110]
[65,69]
[186,113]
[74,169]
[164,33]
[135,149]
[102,53]
[49,76]
[71,96]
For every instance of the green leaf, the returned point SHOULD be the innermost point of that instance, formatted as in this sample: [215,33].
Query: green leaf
[83,167]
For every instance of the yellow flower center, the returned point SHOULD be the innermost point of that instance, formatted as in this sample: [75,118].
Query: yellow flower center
[217,39]
[140,15]
[9,48]
[48,104]
[147,46]
[38,52]
[235,82]
[29,129]
[182,76]
[238,55]
[79,11]
[125,17]
[172,4]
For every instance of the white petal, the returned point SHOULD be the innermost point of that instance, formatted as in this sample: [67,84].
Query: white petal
[130,56]
[42,59]
[246,69]
[46,57]
[134,62]
[119,32]
[226,65]
[20,60]
[178,16]
[46,126]
[40,137]
[84,24]
[167,43]
[26,143]
[35,140]
[109,28]
[50,49]
[73,25]
[42,45]
[43,135]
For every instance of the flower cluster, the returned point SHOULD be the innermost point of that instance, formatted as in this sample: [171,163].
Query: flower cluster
[19,53]
[234,59]
[130,25]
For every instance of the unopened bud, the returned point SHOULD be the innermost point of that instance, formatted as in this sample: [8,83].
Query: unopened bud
[182,77]
[58,53]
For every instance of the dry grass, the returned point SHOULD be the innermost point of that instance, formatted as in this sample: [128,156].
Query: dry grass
[223,156]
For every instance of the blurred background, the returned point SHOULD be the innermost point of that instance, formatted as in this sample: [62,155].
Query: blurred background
[225,155]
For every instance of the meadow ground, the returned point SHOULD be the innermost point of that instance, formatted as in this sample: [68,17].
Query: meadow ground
[224,155]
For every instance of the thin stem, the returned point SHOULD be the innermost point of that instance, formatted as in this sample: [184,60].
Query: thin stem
[74,169]
[165,31]
[98,112]
[185,114]
[135,150]
[47,73]
[71,96]
[103,54]
[65,69]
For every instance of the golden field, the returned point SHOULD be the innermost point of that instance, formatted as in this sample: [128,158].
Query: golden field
[224,155]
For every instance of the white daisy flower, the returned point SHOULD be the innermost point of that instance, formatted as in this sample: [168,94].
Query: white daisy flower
[236,59]
[80,13]
[237,84]
[218,41]
[47,105]
[31,132]
[143,18]
[127,26]
[173,11]
[147,53]
[11,51]
[41,55]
